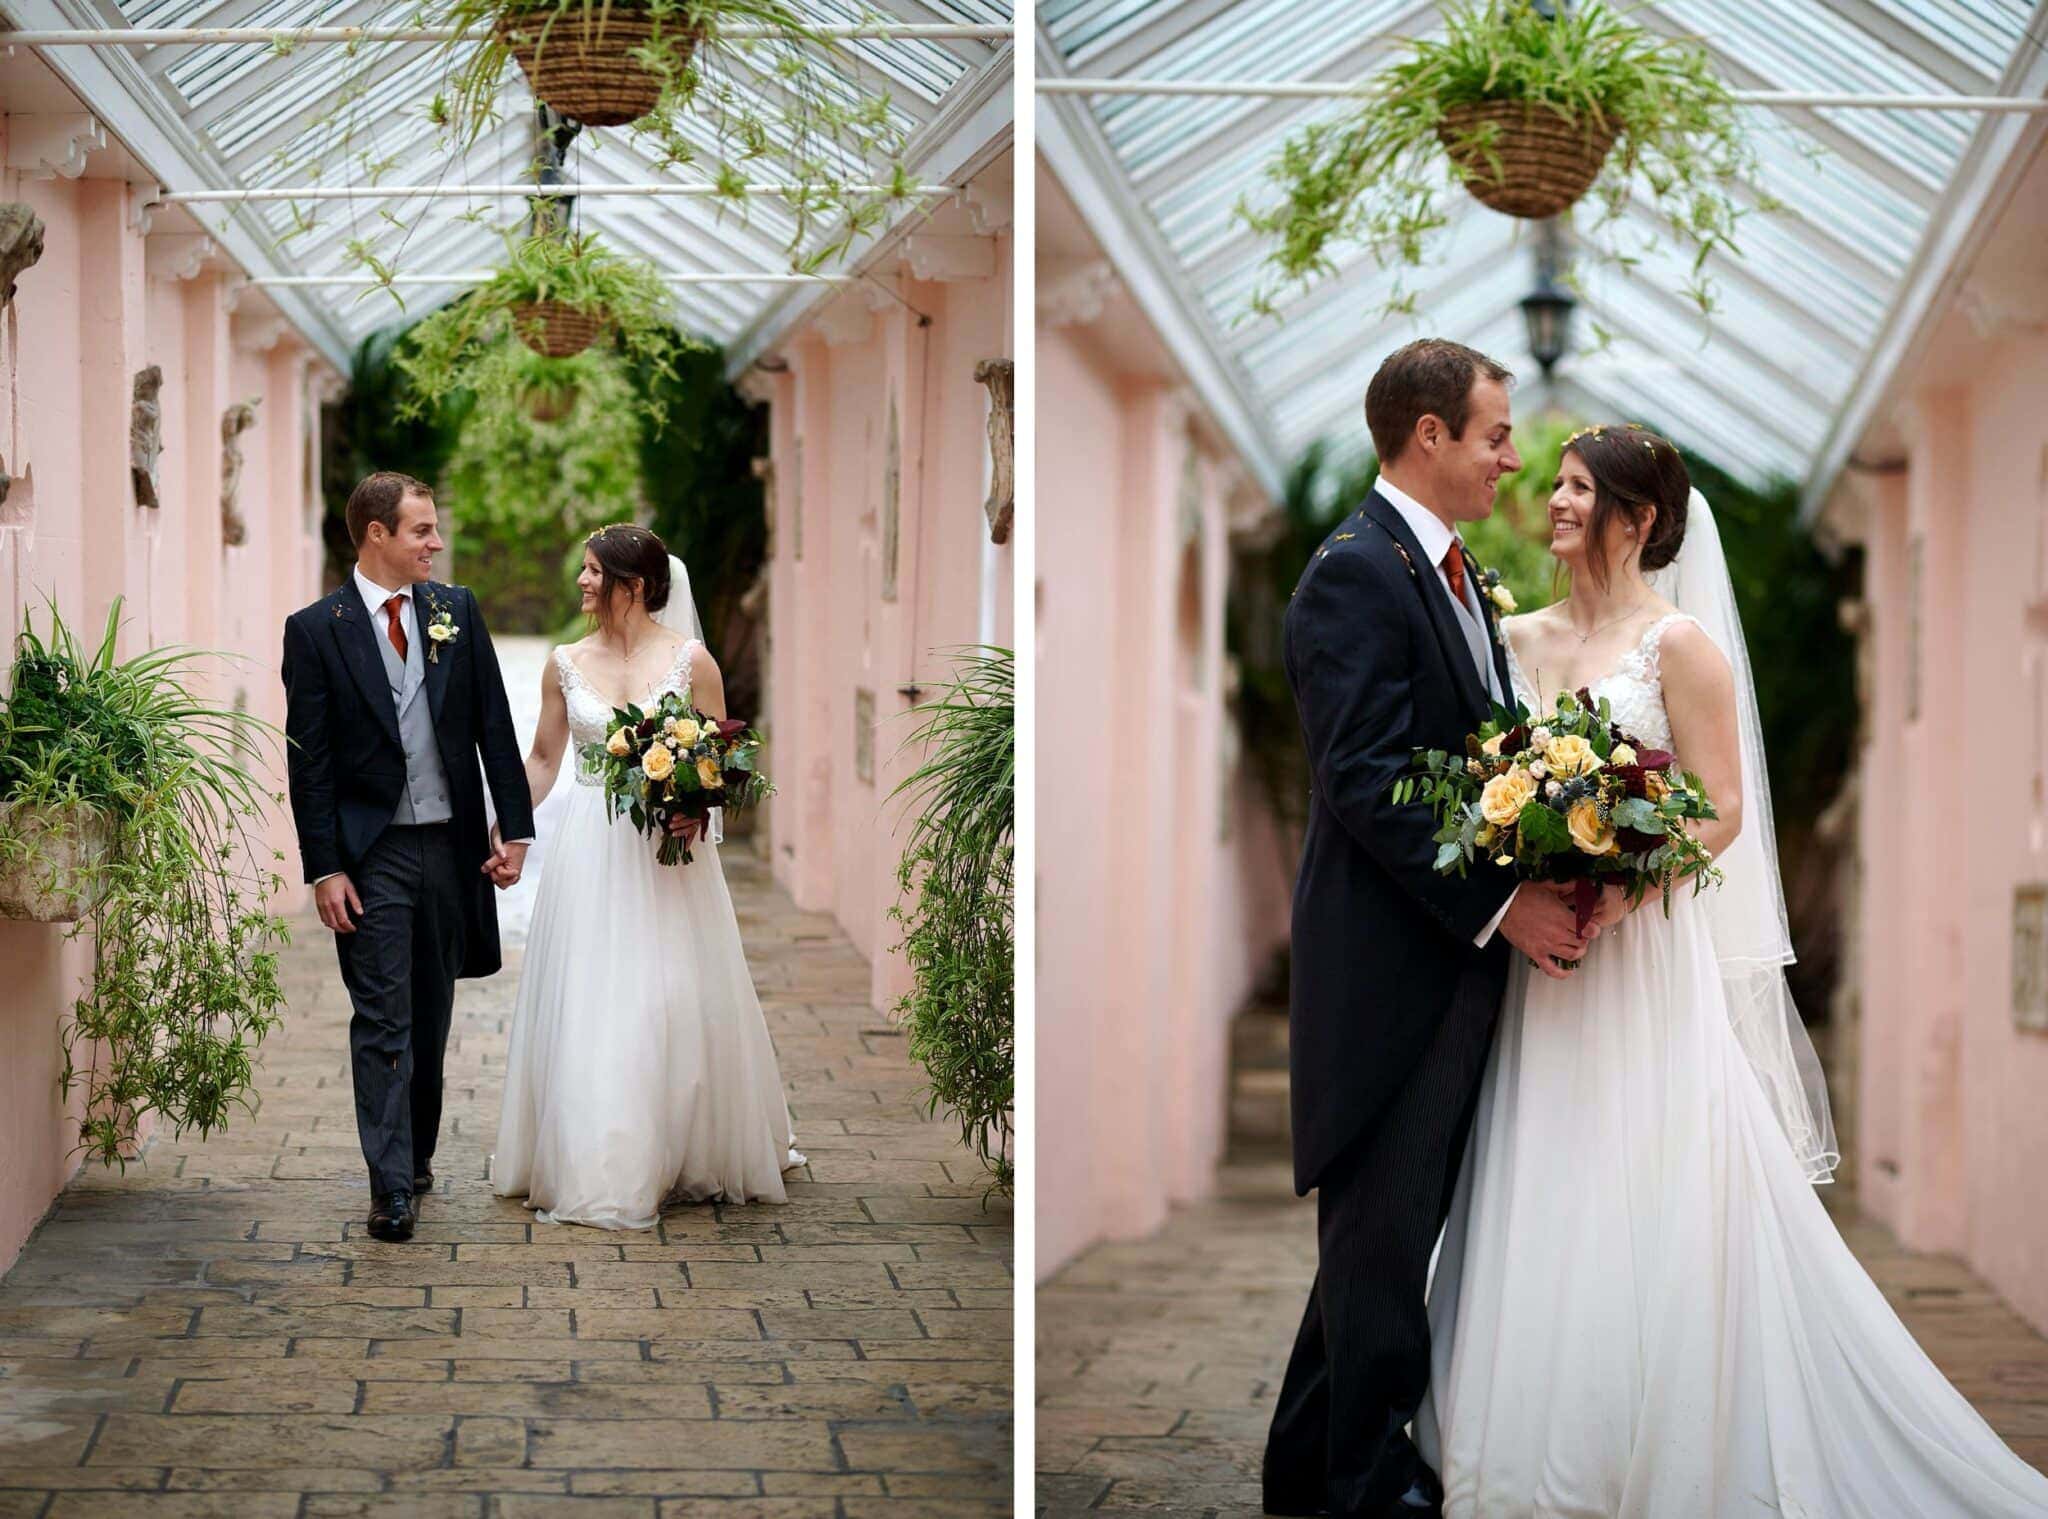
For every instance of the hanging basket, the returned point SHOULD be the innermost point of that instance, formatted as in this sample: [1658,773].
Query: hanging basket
[1545,161]
[549,403]
[580,60]
[556,331]
[51,877]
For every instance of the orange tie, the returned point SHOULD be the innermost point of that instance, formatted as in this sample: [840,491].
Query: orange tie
[397,629]
[1454,571]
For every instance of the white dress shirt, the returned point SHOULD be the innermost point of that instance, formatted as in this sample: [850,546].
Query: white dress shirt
[1436,537]
[374,597]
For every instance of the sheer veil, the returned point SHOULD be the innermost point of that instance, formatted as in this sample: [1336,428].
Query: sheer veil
[1746,914]
[680,612]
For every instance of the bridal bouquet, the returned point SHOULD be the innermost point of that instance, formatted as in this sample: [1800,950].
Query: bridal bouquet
[1572,798]
[674,762]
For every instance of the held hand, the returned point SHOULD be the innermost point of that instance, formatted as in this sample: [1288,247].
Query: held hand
[511,863]
[336,899]
[689,830]
[1612,909]
[1541,924]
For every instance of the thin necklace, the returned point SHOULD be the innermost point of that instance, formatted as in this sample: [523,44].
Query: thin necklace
[1585,638]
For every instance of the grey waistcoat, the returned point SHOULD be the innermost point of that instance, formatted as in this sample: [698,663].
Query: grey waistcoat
[426,782]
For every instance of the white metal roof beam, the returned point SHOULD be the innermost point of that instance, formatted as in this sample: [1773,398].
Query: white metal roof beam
[1072,141]
[1153,37]
[1886,171]
[1915,46]
[1725,333]
[1979,189]
[1275,116]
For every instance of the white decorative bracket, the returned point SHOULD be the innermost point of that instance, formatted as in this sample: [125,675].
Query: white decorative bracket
[53,144]
[989,201]
[944,256]
[143,217]
[1072,293]
[258,332]
[177,256]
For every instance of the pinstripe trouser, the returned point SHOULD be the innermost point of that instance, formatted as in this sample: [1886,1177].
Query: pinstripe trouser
[1360,1364]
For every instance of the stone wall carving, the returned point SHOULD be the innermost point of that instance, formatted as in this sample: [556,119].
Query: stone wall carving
[1000,376]
[21,245]
[236,420]
[146,435]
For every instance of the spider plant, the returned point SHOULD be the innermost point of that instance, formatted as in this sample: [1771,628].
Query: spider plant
[1375,177]
[184,971]
[468,344]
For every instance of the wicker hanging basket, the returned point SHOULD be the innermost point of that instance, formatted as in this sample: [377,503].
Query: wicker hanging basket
[55,879]
[556,331]
[549,403]
[580,61]
[1545,161]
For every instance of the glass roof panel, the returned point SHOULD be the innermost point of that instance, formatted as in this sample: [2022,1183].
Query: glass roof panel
[1797,317]
[331,115]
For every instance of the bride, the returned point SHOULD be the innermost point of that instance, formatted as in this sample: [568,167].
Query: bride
[1640,1307]
[640,1067]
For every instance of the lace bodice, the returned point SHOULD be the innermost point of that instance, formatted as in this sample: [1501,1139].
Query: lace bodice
[1634,688]
[589,712]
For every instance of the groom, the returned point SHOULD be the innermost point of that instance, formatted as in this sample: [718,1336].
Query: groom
[1398,971]
[392,695]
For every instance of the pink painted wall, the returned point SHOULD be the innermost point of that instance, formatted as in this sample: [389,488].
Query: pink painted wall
[84,321]
[1953,1143]
[834,838]
[1154,911]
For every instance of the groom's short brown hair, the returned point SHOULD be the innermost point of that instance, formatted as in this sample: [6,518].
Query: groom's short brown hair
[377,498]
[1429,377]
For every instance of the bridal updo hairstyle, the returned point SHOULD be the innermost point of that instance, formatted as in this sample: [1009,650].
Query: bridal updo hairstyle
[626,553]
[1633,469]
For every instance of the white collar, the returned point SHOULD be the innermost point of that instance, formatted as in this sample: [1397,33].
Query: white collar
[1431,531]
[374,595]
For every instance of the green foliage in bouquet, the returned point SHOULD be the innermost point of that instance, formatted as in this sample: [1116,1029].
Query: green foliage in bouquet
[674,762]
[1375,176]
[788,106]
[463,346]
[1569,798]
[185,969]
[958,931]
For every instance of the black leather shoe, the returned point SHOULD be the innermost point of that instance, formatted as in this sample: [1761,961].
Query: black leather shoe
[1423,1500]
[392,1216]
[424,1182]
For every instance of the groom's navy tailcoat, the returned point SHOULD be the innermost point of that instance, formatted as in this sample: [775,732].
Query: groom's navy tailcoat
[1381,942]
[347,763]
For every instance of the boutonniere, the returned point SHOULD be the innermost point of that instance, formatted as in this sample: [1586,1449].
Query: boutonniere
[1491,588]
[441,629]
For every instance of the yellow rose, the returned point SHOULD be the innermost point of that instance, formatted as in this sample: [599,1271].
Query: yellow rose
[660,763]
[707,772]
[1504,599]
[1621,754]
[1505,796]
[620,744]
[1655,786]
[686,729]
[1592,833]
[1569,755]
[1492,745]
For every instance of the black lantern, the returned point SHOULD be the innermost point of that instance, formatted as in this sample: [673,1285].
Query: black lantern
[1547,310]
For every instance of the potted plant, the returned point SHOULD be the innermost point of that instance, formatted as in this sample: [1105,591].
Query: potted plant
[790,101]
[1530,113]
[184,976]
[958,930]
[559,295]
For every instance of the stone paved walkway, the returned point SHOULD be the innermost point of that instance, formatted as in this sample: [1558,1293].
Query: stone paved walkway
[1158,1360]
[213,1333]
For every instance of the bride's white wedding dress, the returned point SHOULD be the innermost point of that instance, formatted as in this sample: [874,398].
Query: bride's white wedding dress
[640,1068]
[1641,1309]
